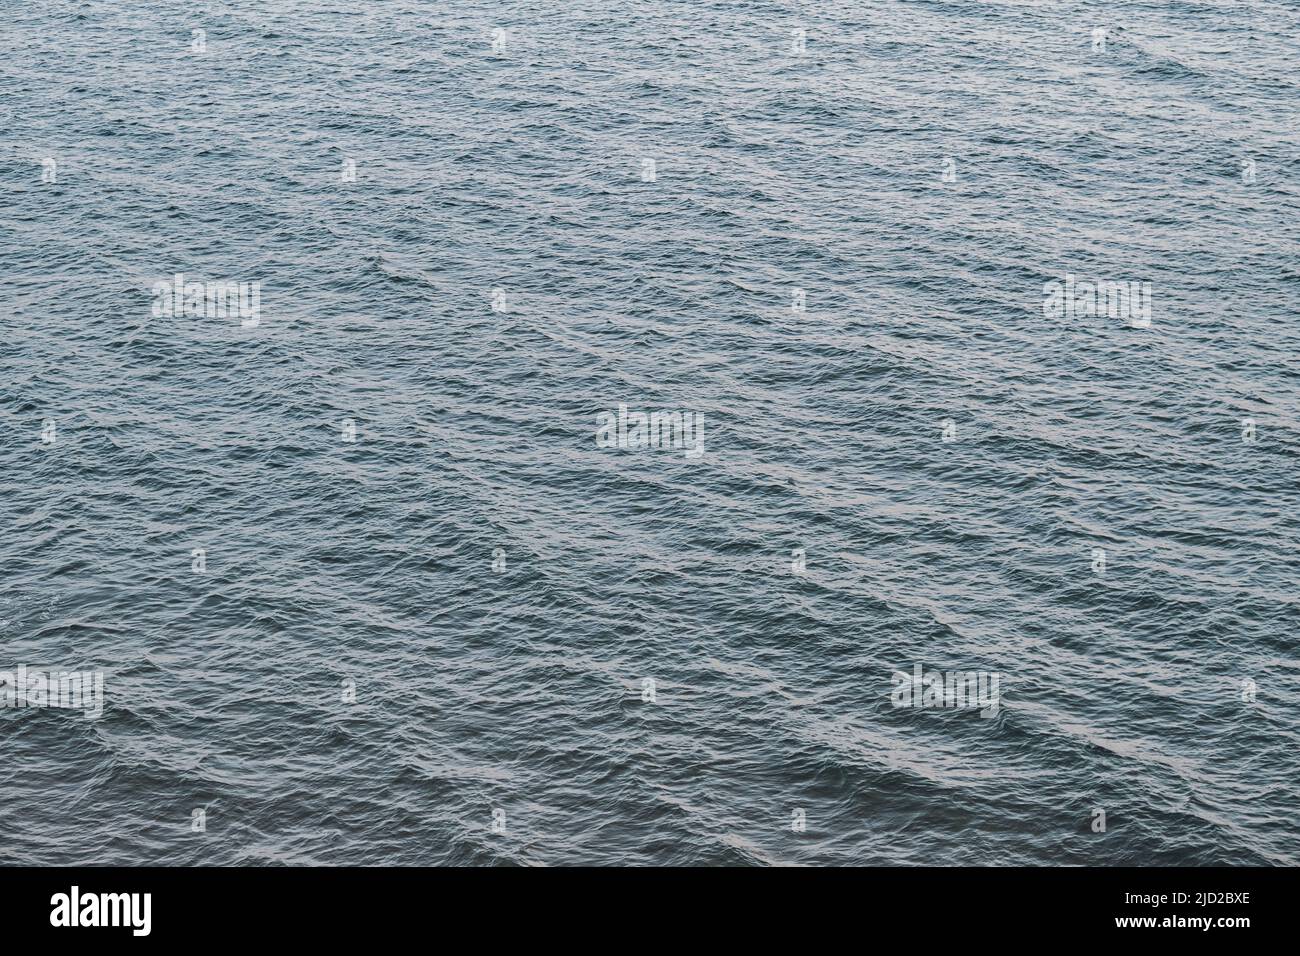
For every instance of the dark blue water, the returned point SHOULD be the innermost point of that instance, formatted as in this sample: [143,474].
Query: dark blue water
[430,603]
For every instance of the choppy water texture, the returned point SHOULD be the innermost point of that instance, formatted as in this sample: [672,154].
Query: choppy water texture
[371,561]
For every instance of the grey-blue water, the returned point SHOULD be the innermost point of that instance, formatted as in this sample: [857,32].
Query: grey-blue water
[430,604]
